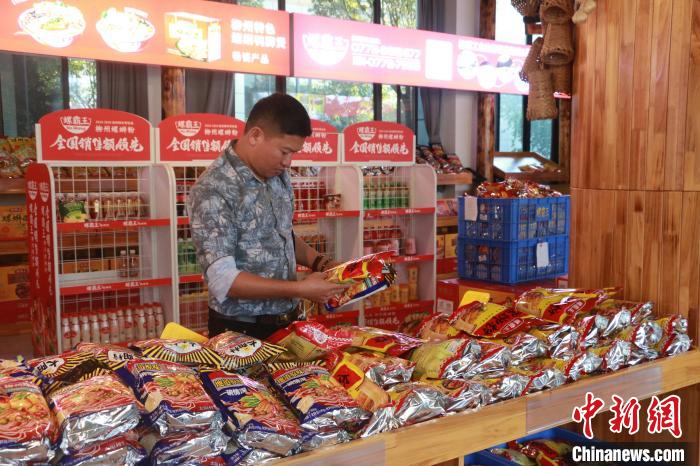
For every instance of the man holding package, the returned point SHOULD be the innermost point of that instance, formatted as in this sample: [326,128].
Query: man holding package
[241,212]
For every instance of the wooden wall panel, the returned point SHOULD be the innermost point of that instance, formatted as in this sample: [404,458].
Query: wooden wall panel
[692,139]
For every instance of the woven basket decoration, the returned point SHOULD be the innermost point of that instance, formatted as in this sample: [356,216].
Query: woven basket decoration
[561,78]
[532,61]
[540,103]
[557,48]
[556,11]
[526,7]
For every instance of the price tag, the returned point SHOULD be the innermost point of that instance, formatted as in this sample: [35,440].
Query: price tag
[471,208]
[542,255]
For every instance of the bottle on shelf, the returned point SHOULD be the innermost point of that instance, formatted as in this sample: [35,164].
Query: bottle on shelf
[133,267]
[160,320]
[85,334]
[121,334]
[74,331]
[139,323]
[94,328]
[113,327]
[104,328]
[129,325]
[150,321]
[123,264]
[65,333]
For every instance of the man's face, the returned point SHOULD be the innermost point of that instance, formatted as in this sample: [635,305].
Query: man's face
[272,154]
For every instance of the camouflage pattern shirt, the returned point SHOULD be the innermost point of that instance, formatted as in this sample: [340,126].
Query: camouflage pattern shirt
[242,223]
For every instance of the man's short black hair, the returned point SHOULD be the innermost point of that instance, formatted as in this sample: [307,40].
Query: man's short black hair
[280,114]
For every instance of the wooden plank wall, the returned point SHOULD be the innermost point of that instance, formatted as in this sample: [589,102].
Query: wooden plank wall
[635,160]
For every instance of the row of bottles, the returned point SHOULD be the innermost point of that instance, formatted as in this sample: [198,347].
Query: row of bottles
[128,265]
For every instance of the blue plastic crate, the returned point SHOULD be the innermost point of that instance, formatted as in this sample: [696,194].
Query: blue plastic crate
[510,261]
[516,219]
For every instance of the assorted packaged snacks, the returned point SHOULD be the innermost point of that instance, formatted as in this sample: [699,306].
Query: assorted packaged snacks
[310,341]
[561,306]
[15,156]
[462,394]
[253,413]
[368,394]
[238,351]
[505,386]
[449,359]
[492,320]
[382,369]
[318,400]
[83,207]
[94,410]
[514,455]
[27,427]
[512,188]
[174,397]
[179,351]
[187,448]
[435,156]
[59,371]
[437,327]
[382,341]
[366,275]
[124,450]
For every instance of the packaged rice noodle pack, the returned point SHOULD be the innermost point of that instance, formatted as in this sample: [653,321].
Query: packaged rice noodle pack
[382,369]
[27,426]
[645,335]
[188,448]
[437,327]
[14,368]
[449,359]
[237,454]
[561,341]
[589,329]
[462,394]
[382,341]
[614,355]
[505,386]
[623,313]
[492,320]
[319,401]
[673,324]
[541,374]
[366,276]
[368,394]
[313,440]
[93,411]
[59,371]
[187,352]
[174,397]
[239,351]
[580,364]
[523,347]
[124,450]
[493,359]
[253,414]
[673,343]
[561,306]
[310,341]
[112,356]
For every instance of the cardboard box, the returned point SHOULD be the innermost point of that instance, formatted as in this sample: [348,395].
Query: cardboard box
[13,222]
[451,246]
[14,282]
[193,36]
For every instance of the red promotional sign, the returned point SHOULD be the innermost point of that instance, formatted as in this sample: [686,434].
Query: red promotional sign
[94,135]
[401,317]
[182,33]
[378,143]
[329,48]
[196,136]
[321,148]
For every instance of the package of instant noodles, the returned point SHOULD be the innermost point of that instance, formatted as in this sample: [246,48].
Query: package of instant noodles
[542,375]
[382,341]
[449,359]
[368,394]
[523,347]
[190,448]
[673,343]
[505,386]
[253,414]
[113,356]
[319,401]
[462,394]
[14,368]
[124,450]
[27,427]
[632,312]
[492,320]
[580,364]
[313,440]
[673,324]
[382,369]
[645,335]
[310,341]
[174,397]
[238,351]
[185,352]
[561,306]
[94,410]
[615,355]
[67,368]
[237,454]
[367,275]
[437,327]
[494,359]
[561,341]
[589,328]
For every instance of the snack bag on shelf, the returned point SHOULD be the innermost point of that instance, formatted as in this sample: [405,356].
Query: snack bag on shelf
[185,352]
[124,450]
[673,324]
[579,364]
[523,347]
[174,397]
[561,306]
[544,450]
[366,276]
[239,455]
[615,355]
[313,440]
[589,329]
[59,371]
[257,418]
[492,320]
[14,368]
[94,410]
[368,394]
[494,359]
[113,356]
[27,426]
[623,313]
[644,335]
[382,341]
[505,386]
[310,341]
[541,374]
[512,188]
[437,327]
[449,359]
[319,401]
[238,351]
[674,343]
[382,369]
[187,448]
[561,341]
[515,456]
[462,394]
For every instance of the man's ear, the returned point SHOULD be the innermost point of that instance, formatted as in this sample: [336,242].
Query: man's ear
[255,136]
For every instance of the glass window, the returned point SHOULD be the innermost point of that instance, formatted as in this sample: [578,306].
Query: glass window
[390,103]
[541,137]
[509,23]
[510,123]
[249,88]
[337,102]
[82,83]
[356,10]
[400,13]
[267,4]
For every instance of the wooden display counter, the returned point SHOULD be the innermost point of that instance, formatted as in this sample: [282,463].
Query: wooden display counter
[449,439]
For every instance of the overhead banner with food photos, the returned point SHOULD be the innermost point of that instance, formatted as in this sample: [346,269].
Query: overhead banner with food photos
[182,33]
[327,48]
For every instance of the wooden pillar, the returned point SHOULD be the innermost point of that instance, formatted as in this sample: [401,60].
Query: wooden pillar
[486,132]
[173,91]
[635,163]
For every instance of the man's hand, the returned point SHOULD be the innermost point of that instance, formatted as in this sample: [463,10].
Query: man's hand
[315,288]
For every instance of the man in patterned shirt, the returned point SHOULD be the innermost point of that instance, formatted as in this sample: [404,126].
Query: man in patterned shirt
[240,213]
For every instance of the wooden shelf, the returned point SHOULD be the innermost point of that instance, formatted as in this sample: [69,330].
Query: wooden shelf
[12,186]
[449,221]
[8,248]
[448,179]
[455,436]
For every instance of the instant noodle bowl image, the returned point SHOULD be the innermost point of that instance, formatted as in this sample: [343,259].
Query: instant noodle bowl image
[253,414]
[309,341]
[180,351]
[125,31]
[492,320]
[52,23]
[94,410]
[27,426]
[238,351]
[382,341]
[174,397]
[319,401]
[124,450]
[449,359]
[366,276]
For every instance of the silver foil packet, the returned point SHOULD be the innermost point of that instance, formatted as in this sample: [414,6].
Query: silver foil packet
[673,324]
[416,402]
[493,360]
[590,328]
[382,420]
[542,374]
[615,355]
[674,344]
[639,355]
[119,451]
[506,386]
[582,363]
[180,448]
[644,335]
[634,312]
[462,394]
[523,347]
[313,440]
[561,340]
[449,359]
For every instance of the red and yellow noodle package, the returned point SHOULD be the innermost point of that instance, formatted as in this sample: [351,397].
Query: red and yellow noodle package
[366,276]
[492,320]
[382,369]
[174,397]
[449,359]
[310,341]
[238,351]
[437,327]
[27,427]
[369,395]
[561,306]
[523,347]
[179,351]
[462,394]
[382,341]
[94,410]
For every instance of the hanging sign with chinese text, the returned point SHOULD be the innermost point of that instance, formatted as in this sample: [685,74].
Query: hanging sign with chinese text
[196,136]
[321,148]
[378,143]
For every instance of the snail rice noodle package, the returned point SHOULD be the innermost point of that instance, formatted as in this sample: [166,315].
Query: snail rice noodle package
[561,306]
[644,335]
[185,352]
[124,450]
[367,275]
[309,341]
[174,397]
[494,358]
[449,359]
[240,455]
[561,341]
[673,324]
[238,351]
[368,394]
[187,448]
[319,401]
[505,386]
[94,410]
[632,312]
[382,369]
[382,341]
[541,375]
[253,413]
[27,427]
[523,347]
[674,343]
[112,356]
[67,368]
[462,394]
[615,355]
[492,320]
[437,327]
